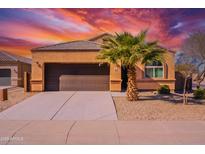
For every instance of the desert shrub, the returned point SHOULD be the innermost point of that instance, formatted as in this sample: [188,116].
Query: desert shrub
[199,93]
[164,89]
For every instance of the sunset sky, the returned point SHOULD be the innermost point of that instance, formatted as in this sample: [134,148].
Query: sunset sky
[24,29]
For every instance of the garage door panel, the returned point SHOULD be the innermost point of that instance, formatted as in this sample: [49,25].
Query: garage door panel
[91,87]
[84,82]
[5,77]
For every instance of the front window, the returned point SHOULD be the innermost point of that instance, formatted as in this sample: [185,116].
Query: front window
[154,70]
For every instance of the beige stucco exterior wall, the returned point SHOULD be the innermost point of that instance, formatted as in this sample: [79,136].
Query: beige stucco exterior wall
[154,83]
[40,58]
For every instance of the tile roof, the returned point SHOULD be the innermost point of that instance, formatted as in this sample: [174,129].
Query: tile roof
[81,45]
[8,57]
[100,36]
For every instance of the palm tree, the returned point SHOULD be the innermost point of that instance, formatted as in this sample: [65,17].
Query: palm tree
[126,50]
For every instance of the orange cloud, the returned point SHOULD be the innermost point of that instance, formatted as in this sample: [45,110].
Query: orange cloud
[47,26]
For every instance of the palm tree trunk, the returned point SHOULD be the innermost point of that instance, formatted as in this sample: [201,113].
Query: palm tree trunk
[132,94]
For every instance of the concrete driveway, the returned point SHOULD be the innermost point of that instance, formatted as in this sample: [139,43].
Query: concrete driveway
[64,105]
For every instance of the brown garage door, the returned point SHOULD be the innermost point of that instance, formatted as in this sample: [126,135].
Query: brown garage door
[76,77]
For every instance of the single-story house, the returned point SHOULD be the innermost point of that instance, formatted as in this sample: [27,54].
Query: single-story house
[12,68]
[73,66]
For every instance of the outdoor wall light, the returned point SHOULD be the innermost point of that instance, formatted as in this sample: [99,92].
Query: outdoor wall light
[15,71]
[116,68]
[39,65]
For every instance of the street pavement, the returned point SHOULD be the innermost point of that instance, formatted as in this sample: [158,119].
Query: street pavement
[101,132]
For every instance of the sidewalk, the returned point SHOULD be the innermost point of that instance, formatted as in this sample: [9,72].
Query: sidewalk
[102,132]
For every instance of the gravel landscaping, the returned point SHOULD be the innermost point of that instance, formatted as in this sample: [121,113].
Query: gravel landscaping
[15,95]
[156,108]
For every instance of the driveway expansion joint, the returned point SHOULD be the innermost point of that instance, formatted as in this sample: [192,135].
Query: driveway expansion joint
[19,129]
[114,104]
[68,133]
[62,106]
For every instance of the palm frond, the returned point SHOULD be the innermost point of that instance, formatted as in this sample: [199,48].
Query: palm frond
[129,49]
[142,35]
[153,55]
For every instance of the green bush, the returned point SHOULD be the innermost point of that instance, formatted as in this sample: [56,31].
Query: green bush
[164,89]
[199,93]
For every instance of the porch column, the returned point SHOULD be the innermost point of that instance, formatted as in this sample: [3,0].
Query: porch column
[115,77]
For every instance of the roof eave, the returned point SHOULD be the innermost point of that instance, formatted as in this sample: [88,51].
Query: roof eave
[34,50]
[99,36]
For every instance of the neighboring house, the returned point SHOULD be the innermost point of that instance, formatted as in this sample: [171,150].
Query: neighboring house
[73,66]
[12,68]
[195,83]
